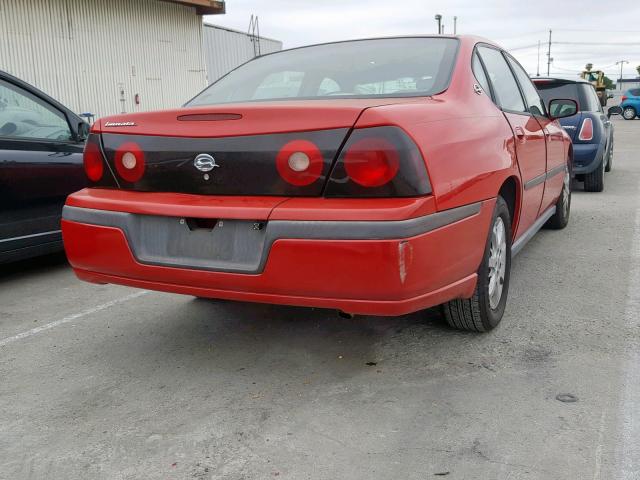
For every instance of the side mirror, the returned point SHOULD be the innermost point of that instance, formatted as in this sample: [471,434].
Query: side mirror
[614,111]
[83,131]
[562,108]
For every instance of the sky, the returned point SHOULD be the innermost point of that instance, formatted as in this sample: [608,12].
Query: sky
[584,31]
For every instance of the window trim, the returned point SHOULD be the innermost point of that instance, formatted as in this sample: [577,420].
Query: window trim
[39,99]
[500,51]
[475,54]
[524,98]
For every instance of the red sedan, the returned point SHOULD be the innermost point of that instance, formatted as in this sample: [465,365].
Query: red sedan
[379,177]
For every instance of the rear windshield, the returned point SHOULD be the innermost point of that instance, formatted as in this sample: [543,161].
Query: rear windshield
[550,91]
[395,67]
[583,93]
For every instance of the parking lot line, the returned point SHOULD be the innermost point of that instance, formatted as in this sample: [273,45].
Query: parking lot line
[630,455]
[70,318]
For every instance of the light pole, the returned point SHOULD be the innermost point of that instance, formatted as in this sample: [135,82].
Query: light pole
[621,63]
[438,18]
[455,25]
[549,59]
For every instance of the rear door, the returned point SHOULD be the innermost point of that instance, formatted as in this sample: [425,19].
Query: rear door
[40,164]
[556,158]
[529,136]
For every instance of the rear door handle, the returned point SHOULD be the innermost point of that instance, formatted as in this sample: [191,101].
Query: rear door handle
[520,133]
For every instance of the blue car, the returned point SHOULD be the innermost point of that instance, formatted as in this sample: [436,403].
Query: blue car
[590,129]
[631,104]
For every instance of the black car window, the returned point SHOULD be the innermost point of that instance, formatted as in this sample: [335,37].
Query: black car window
[550,90]
[478,71]
[504,84]
[23,115]
[635,92]
[534,102]
[592,102]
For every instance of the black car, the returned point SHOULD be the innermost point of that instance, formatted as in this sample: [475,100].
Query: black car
[41,144]
[590,129]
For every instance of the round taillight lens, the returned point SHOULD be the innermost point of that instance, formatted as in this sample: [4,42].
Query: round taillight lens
[93,164]
[130,162]
[300,163]
[372,162]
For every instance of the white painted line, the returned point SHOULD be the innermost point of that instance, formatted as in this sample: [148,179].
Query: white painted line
[629,457]
[70,318]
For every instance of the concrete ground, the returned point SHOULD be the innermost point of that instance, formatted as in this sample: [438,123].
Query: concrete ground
[106,382]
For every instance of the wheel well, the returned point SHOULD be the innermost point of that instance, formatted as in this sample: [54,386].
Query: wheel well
[509,192]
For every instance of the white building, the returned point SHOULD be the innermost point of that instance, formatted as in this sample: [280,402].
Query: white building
[112,56]
[225,49]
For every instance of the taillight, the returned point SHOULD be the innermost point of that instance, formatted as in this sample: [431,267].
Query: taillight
[379,162]
[129,160]
[300,162]
[586,131]
[92,159]
[372,162]
[624,98]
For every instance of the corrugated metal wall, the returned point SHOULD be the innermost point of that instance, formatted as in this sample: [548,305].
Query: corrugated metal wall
[225,49]
[86,52]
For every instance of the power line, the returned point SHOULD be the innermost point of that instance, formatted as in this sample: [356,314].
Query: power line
[630,44]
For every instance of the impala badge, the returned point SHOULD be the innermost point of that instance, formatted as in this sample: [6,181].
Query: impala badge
[205,162]
[477,88]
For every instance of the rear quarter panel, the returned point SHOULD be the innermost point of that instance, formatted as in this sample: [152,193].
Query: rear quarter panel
[469,154]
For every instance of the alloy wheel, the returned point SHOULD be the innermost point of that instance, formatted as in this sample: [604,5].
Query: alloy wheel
[497,262]
[566,193]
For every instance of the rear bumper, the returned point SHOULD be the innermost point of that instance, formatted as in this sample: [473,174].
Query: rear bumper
[586,157]
[365,267]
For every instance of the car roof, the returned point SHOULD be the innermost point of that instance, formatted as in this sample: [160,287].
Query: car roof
[559,81]
[466,39]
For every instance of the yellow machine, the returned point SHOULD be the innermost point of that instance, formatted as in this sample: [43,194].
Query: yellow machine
[596,78]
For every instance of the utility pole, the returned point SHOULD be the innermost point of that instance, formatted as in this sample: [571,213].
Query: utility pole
[621,63]
[549,59]
[538,70]
[455,25]
[438,18]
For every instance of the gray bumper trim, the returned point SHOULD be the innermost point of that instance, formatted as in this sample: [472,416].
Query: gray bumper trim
[148,236]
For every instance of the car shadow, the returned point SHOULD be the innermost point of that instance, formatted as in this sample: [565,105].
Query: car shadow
[234,338]
[33,266]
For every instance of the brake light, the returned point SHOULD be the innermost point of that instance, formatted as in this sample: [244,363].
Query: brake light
[624,98]
[586,131]
[372,162]
[129,160]
[379,162]
[300,163]
[92,160]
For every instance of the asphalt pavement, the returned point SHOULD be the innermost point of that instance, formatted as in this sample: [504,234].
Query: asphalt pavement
[107,382]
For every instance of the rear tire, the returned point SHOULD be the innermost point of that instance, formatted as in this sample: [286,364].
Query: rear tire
[629,113]
[594,181]
[560,219]
[484,310]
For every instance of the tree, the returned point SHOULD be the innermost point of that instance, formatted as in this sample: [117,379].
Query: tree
[608,83]
[638,69]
